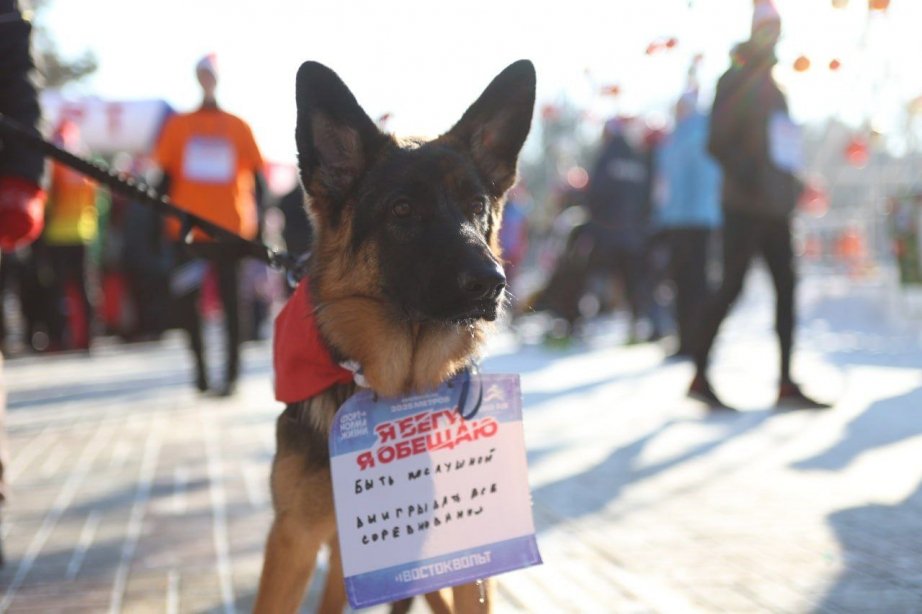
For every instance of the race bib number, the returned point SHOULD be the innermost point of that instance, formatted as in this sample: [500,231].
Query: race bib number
[426,498]
[209,160]
[785,143]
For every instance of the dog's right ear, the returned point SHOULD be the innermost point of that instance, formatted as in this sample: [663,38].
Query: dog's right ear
[336,139]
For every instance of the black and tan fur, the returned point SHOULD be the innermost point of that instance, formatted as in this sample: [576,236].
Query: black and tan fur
[405,279]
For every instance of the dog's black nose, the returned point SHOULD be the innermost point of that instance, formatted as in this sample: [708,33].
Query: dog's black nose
[483,283]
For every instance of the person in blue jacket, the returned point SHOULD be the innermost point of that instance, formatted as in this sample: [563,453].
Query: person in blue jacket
[687,210]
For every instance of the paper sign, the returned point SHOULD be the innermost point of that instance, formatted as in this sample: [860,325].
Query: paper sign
[426,498]
[785,143]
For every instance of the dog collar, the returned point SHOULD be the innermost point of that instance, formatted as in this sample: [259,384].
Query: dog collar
[302,362]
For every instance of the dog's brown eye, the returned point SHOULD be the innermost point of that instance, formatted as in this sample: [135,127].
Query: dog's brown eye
[401,208]
[478,206]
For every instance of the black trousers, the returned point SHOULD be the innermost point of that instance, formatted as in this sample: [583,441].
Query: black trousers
[69,265]
[688,268]
[226,262]
[744,237]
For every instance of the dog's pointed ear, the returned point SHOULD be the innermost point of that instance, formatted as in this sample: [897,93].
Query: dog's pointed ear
[494,128]
[336,139]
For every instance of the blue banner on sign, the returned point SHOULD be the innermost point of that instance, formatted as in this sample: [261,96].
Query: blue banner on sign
[400,581]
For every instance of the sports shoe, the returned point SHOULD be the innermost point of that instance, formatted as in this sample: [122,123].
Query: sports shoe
[791,397]
[700,390]
[201,382]
[228,389]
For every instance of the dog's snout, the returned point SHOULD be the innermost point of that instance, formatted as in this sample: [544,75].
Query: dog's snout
[483,283]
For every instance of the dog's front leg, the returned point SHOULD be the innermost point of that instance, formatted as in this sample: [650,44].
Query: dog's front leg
[334,593]
[476,597]
[439,602]
[291,553]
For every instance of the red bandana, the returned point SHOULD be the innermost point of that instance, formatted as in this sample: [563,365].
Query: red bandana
[302,362]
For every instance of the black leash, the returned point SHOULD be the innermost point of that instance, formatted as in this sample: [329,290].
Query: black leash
[138,190]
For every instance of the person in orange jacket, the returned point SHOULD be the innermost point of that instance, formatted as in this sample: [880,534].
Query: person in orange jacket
[213,168]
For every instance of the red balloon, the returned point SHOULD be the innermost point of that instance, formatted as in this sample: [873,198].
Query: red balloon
[802,64]
[814,199]
[857,152]
[835,64]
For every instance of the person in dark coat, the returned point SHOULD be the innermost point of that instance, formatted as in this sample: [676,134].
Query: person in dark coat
[21,168]
[619,212]
[297,233]
[757,147]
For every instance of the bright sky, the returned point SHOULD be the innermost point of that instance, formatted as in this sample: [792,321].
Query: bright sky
[424,61]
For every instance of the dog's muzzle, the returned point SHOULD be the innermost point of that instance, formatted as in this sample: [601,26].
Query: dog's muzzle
[481,289]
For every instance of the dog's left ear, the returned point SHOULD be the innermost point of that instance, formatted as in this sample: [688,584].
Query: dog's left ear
[336,139]
[494,128]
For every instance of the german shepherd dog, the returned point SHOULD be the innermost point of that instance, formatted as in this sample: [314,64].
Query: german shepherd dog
[405,278]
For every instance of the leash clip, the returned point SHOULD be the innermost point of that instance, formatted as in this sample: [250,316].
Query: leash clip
[295,268]
[470,374]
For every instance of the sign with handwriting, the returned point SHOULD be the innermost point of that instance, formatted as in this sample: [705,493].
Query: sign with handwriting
[431,490]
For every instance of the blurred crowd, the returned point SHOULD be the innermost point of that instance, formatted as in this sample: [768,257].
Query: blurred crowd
[101,264]
[662,226]
[640,231]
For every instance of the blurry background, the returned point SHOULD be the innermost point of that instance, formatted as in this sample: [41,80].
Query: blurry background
[848,69]
[133,493]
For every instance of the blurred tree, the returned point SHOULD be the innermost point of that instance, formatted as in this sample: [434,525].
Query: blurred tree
[56,69]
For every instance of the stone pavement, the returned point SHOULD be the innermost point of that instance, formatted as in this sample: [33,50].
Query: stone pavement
[132,493]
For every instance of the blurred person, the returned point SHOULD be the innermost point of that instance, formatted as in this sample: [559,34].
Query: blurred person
[25,274]
[656,296]
[71,225]
[513,234]
[116,309]
[213,168]
[145,260]
[687,212]
[297,232]
[619,211]
[758,149]
[21,169]
[255,299]
[21,198]
[563,255]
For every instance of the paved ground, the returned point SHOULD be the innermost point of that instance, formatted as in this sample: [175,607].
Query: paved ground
[133,494]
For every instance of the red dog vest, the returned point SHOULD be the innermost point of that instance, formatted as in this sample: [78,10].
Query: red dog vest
[303,365]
